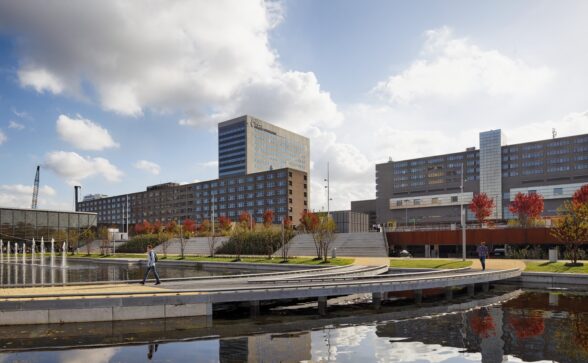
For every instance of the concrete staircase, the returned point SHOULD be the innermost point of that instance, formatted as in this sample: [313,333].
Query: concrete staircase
[194,246]
[364,244]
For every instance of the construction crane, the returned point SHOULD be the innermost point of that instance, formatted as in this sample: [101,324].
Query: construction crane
[36,189]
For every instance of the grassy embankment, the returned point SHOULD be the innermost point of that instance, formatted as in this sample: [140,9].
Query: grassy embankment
[559,267]
[434,263]
[293,261]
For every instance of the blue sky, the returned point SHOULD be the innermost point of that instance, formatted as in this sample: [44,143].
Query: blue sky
[116,97]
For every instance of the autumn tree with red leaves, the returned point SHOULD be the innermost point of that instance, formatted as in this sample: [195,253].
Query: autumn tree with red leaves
[246,220]
[482,206]
[224,223]
[581,195]
[527,207]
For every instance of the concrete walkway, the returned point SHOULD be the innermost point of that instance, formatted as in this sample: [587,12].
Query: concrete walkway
[499,264]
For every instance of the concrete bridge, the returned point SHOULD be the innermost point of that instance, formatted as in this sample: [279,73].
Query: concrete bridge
[195,296]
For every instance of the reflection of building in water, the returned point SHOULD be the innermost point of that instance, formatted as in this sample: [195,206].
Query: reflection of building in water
[292,347]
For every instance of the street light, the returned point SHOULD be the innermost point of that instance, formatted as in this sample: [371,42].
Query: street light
[463,220]
[328,187]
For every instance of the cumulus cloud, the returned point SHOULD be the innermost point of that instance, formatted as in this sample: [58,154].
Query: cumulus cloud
[453,68]
[148,166]
[40,79]
[3,138]
[74,168]
[167,57]
[20,196]
[84,134]
[15,125]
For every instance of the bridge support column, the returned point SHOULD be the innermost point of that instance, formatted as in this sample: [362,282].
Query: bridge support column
[377,300]
[427,251]
[322,305]
[448,293]
[485,286]
[471,290]
[418,297]
[254,308]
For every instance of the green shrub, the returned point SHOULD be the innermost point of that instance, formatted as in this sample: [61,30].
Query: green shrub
[255,243]
[138,244]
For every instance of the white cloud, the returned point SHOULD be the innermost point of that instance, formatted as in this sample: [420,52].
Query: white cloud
[74,168]
[40,79]
[176,57]
[15,125]
[3,137]
[148,166]
[20,196]
[84,134]
[209,164]
[453,68]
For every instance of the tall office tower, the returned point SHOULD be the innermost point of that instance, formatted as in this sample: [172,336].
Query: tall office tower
[249,145]
[491,168]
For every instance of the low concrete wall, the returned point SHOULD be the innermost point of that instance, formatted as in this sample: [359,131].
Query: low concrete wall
[548,279]
[97,314]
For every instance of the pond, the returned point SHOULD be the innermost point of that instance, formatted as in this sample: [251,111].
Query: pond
[531,327]
[15,274]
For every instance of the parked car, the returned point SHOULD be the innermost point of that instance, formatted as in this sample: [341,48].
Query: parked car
[499,252]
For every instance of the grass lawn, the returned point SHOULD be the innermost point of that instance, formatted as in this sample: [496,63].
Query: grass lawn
[296,260]
[555,267]
[436,263]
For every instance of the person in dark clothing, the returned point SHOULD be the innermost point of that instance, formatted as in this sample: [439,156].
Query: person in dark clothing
[151,350]
[483,254]
[151,260]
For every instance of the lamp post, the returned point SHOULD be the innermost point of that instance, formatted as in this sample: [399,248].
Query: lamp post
[328,187]
[463,220]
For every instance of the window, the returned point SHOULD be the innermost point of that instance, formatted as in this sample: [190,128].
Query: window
[454,199]
[435,200]
[416,202]
[532,191]
[557,191]
[399,203]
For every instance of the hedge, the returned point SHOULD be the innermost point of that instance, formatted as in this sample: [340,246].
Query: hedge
[254,243]
[138,244]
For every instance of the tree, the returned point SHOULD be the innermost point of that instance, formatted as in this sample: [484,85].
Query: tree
[87,236]
[322,227]
[204,227]
[581,195]
[527,207]
[156,227]
[189,227]
[224,224]
[286,230]
[482,206]
[73,240]
[309,224]
[572,228]
[247,220]
[104,238]
[268,220]
[327,234]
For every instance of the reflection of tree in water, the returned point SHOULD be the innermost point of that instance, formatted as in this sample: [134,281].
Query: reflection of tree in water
[482,323]
[573,340]
[527,326]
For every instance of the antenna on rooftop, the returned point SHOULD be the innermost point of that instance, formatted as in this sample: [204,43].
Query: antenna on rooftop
[553,133]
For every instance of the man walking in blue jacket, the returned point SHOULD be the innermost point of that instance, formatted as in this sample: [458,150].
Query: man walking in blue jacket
[483,254]
[151,260]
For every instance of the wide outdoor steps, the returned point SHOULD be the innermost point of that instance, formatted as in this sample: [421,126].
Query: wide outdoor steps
[194,246]
[366,244]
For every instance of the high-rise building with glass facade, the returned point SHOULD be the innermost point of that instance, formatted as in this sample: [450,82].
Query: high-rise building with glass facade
[428,190]
[249,145]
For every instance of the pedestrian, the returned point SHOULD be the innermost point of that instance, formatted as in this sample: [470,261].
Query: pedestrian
[483,254]
[151,260]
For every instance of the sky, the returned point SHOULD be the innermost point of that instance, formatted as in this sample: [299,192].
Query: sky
[119,95]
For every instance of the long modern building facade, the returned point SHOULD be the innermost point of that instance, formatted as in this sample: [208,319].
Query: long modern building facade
[284,191]
[248,145]
[18,224]
[429,190]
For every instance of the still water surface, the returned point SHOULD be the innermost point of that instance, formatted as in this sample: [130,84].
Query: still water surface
[533,327]
[17,274]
